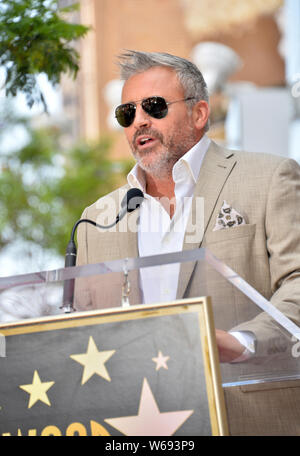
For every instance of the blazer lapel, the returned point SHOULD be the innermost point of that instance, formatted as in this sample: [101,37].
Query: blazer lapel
[214,172]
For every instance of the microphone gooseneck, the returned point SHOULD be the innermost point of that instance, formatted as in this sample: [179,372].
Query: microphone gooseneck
[131,201]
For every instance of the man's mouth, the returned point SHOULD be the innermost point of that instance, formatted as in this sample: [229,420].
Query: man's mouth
[145,141]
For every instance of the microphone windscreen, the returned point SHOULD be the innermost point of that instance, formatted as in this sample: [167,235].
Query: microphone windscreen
[133,199]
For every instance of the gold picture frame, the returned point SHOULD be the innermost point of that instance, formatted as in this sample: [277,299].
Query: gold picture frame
[198,310]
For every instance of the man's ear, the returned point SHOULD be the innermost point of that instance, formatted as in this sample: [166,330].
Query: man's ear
[201,112]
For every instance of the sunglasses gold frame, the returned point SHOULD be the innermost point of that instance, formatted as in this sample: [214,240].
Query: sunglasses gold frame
[121,114]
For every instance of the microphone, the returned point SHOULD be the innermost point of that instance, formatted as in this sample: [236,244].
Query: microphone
[131,201]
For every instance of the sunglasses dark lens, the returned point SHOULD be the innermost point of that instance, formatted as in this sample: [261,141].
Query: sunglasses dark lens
[125,114]
[156,107]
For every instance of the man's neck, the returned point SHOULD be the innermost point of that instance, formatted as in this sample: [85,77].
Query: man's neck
[159,187]
[164,189]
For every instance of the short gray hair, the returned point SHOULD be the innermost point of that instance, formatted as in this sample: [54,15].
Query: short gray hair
[133,62]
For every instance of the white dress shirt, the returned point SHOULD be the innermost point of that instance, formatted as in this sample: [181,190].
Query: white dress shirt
[158,234]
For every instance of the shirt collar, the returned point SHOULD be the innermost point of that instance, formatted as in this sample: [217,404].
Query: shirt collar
[192,160]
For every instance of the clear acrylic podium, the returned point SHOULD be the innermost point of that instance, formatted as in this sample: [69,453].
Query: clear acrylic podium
[116,365]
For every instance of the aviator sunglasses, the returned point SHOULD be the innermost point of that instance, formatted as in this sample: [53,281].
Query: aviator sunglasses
[156,107]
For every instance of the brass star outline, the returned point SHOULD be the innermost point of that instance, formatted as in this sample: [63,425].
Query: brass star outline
[161,361]
[93,361]
[37,390]
[150,421]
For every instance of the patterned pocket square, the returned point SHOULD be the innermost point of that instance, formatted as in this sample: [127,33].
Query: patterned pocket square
[228,217]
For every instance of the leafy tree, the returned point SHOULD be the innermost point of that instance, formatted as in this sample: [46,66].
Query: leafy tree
[34,39]
[45,186]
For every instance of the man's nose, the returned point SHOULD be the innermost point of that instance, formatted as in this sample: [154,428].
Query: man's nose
[141,119]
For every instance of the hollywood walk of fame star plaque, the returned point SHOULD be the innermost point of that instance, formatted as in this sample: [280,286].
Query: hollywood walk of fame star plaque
[146,370]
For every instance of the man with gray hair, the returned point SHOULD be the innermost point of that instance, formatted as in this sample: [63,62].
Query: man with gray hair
[165,115]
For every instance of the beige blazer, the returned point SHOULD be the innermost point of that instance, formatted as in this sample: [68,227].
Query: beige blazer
[265,251]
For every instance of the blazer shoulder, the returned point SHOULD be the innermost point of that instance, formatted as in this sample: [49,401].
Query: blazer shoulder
[260,158]
[113,197]
[269,162]
[262,164]
[243,155]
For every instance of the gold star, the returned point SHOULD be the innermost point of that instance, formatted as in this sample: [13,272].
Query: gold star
[93,361]
[37,390]
[161,361]
[150,421]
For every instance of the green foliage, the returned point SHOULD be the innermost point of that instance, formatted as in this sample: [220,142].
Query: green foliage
[44,187]
[34,38]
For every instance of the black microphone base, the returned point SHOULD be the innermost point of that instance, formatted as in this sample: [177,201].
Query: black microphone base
[68,296]
[68,308]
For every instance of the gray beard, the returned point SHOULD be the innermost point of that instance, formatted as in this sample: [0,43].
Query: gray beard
[160,167]
[171,152]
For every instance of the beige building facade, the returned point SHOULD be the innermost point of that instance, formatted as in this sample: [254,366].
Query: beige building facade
[163,25]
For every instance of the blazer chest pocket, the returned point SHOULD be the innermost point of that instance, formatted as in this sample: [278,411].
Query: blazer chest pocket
[228,234]
[231,243]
